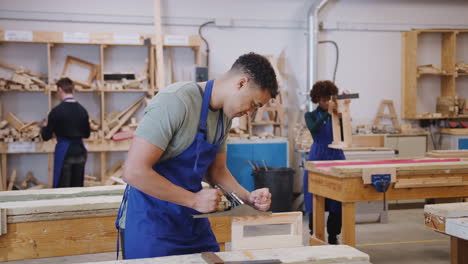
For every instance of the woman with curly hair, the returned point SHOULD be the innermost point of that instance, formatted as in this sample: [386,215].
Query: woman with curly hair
[319,124]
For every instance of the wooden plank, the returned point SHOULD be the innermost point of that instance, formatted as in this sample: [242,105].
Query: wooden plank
[221,227]
[62,205]
[47,36]
[61,215]
[430,182]
[448,210]
[448,154]
[310,255]
[409,74]
[59,193]
[12,180]
[58,238]
[454,131]
[14,121]
[448,64]
[160,81]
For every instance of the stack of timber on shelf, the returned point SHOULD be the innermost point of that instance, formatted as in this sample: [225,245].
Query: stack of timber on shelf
[310,255]
[76,220]
[13,129]
[450,219]
[449,105]
[348,182]
[30,182]
[22,79]
[115,122]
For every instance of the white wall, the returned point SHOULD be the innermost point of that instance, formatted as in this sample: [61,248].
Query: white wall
[368,33]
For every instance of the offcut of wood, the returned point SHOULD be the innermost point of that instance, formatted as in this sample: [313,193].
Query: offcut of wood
[14,121]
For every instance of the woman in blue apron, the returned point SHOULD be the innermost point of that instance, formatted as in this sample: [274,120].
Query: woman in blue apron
[320,126]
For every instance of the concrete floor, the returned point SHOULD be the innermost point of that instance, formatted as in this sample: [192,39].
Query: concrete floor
[404,240]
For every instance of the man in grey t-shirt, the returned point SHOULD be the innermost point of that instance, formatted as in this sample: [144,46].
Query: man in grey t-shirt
[180,141]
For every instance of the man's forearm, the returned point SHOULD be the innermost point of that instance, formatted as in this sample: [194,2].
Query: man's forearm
[152,183]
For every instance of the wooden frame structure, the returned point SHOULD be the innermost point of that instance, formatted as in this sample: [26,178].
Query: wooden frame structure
[411,73]
[70,60]
[342,181]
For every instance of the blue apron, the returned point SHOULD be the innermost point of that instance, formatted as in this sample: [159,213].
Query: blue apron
[156,228]
[320,151]
[61,149]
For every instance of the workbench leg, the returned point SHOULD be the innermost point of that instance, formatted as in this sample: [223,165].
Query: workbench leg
[349,228]
[458,250]
[318,215]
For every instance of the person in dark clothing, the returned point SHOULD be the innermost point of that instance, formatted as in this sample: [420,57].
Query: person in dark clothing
[69,122]
[319,124]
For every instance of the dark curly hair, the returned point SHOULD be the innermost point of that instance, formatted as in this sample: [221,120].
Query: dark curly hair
[322,89]
[259,69]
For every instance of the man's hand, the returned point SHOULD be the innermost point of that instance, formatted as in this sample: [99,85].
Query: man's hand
[260,199]
[207,200]
[44,123]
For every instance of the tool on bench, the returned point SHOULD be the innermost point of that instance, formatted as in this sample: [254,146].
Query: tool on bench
[234,206]
[212,258]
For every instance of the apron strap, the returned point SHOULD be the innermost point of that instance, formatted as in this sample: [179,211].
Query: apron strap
[220,123]
[205,105]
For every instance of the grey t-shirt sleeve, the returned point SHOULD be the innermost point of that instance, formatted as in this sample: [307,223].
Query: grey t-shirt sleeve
[161,120]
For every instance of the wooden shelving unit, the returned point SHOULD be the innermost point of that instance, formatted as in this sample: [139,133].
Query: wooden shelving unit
[102,41]
[447,73]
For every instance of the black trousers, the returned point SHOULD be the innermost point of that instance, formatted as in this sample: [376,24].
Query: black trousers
[72,174]
[333,224]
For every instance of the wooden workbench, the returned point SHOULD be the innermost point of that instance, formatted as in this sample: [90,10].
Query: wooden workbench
[68,221]
[306,255]
[415,179]
[450,219]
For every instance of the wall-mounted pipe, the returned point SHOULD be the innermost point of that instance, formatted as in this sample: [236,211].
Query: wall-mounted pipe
[312,42]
